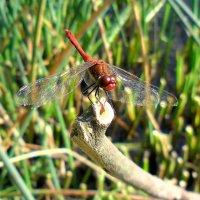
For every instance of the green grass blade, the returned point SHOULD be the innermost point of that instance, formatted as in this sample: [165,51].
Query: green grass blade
[37,36]
[185,21]
[16,177]
[188,12]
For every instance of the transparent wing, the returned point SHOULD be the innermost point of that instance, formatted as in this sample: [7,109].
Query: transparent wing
[45,89]
[130,88]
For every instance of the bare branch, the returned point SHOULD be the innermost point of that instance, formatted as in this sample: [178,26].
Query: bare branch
[89,133]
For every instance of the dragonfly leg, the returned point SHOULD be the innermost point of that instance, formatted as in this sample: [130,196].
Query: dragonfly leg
[110,101]
[97,94]
[93,87]
[88,95]
[87,88]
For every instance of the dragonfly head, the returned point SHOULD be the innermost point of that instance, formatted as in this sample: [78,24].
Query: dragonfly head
[107,82]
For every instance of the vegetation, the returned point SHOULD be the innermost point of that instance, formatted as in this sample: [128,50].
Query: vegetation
[156,40]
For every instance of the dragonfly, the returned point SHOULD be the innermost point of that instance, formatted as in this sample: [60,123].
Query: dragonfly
[100,77]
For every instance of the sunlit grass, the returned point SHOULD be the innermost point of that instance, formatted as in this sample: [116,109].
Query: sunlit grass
[34,45]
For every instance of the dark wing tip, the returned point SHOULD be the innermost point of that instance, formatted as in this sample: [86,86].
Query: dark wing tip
[20,96]
[169,99]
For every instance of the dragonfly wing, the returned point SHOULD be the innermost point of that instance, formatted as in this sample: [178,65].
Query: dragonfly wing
[130,88]
[58,85]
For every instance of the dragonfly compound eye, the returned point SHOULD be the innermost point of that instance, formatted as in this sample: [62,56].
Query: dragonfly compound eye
[107,82]
[104,81]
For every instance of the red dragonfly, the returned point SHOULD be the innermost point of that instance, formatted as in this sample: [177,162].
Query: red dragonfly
[99,76]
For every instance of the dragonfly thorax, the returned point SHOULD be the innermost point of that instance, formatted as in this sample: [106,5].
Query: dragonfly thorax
[107,82]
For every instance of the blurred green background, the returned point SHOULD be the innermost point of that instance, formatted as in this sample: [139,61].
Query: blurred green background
[155,39]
